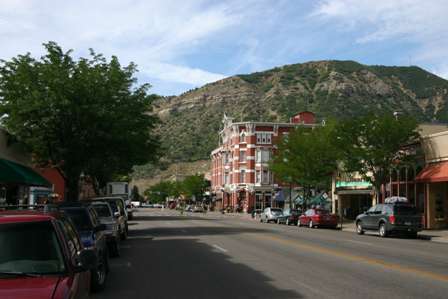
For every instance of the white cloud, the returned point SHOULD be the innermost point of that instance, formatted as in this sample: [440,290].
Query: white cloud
[154,34]
[421,22]
[181,74]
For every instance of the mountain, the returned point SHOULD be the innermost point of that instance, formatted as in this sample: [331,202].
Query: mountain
[339,89]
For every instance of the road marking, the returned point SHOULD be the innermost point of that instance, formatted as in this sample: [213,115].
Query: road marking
[359,242]
[219,248]
[363,259]
[128,264]
[140,237]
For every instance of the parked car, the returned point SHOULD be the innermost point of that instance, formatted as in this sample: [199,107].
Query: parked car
[198,209]
[107,218]
[290,216]
[93,236]
[118,207]
[157,205]
[391,217]
[318,218]
[188,208]
[256,213]
[271,214]
[43,257]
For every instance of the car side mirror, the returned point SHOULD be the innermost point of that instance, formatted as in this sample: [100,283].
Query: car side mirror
[117,214]
[86,260]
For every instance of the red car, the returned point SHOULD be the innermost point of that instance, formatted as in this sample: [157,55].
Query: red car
[318,218]
[42,257]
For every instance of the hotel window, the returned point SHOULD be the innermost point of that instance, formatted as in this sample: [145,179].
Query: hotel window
[243,137]
[258,177]
[242,156]
[242,175]
[263,155]
[264,138]
[265,177]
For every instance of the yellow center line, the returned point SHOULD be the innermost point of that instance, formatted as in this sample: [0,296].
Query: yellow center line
[348,256]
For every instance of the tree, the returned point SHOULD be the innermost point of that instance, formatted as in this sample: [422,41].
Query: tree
[160,192]
[194,186]
[373,144]
[88,115]
[307,158]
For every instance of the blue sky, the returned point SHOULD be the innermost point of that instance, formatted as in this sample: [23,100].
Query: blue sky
[182,44]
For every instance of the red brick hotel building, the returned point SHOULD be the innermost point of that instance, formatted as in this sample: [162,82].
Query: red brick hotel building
[241,179]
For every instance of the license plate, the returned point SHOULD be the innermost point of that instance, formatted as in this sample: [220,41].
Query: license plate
[407,223]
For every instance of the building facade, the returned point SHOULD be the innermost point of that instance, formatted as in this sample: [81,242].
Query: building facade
[240,176]
[424,183]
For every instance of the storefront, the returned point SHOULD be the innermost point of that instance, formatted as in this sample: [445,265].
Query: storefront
[435,179]
[16,182]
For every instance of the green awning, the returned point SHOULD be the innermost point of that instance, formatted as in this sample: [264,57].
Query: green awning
[14,173]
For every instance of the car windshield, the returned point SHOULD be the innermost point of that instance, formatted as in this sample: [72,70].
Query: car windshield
[113,206]
[30,248]
[322,212]
[80,218]
[276,211]
[405,210]
[102,210]
[294,212]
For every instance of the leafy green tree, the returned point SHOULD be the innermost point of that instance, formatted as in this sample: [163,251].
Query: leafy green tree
[88,115]
[194,186]
[373,144]
[160,192]
[307,158]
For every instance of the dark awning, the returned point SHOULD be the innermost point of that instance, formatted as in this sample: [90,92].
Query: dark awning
[14,173]
[437,172]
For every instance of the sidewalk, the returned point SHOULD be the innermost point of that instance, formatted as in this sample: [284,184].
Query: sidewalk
[440,236]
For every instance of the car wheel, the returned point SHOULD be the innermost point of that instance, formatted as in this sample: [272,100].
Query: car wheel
[99,275]
[382,230]
[261,220]
[413,235]
[359,229]
[287,221]
[115,249]
[311,224]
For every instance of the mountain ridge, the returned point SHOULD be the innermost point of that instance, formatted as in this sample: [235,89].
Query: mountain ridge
[330,88]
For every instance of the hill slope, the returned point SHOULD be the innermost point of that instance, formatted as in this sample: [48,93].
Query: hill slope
[190,122]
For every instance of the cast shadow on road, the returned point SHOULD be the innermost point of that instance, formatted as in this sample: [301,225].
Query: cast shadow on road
[170,218]
[185,268]
[192,231]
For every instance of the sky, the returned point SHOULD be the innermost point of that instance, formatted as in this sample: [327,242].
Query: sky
[182,44]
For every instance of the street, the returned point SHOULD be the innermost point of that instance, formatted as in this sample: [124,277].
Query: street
[169,255]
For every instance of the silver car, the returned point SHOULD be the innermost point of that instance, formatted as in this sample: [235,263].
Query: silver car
[271,214]
[106,217]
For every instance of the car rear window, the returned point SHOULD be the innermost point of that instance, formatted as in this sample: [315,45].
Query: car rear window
[80,218]
[30,248]
[102,210]
[322,212]
[405,210]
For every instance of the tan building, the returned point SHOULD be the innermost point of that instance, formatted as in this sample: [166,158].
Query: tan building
[435,179]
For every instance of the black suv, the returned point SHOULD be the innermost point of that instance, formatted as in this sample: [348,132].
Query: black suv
[390,218]
[93,236]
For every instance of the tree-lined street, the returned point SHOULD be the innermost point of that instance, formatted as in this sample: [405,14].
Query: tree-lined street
[221,256]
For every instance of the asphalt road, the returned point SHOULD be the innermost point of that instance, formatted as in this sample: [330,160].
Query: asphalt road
[216,256]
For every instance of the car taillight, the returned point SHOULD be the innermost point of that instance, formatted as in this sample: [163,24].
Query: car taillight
[392,219]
